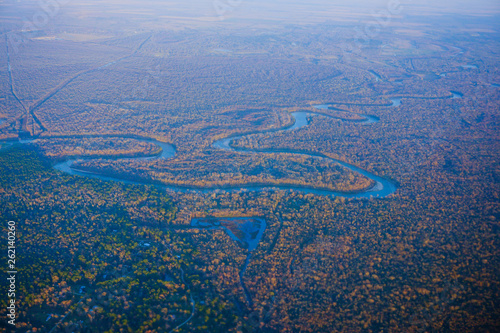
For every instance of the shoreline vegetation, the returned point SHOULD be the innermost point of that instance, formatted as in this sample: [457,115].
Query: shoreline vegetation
[380,206]
[228,143]
[246,185]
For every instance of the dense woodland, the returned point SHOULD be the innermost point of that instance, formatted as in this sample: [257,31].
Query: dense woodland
[100,252]
[62,148]
[211,169]
[103,256]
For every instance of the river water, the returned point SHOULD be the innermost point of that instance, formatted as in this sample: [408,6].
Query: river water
[382,186]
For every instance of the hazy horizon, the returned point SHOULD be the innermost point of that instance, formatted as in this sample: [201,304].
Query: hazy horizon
[228,13]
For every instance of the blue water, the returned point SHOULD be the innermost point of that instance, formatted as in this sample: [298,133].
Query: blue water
[382,187]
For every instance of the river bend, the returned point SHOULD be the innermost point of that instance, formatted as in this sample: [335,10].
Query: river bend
[382,187]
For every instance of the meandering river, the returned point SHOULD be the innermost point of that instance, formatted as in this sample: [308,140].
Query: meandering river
[382,187]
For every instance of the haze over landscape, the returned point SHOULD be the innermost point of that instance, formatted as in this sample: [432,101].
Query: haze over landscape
[250,166]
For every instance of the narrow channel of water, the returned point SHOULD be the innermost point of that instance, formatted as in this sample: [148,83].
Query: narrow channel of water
[382,187]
